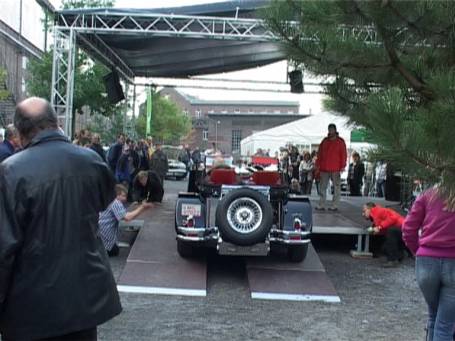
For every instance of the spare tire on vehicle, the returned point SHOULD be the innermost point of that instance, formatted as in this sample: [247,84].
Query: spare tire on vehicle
[244,217]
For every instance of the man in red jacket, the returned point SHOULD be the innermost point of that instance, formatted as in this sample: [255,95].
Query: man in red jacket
[387,222]
[331,162]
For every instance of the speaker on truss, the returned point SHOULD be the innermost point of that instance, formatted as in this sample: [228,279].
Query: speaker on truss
[113,87]
[296,81]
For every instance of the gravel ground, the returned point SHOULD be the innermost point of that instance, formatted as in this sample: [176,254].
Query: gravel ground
[377,304]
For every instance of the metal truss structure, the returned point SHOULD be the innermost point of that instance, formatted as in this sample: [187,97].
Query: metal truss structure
[63,69]
[169,25]
[87,28]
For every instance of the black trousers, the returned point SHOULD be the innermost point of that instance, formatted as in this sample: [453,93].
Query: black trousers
[114,252]
[306,186]
[82,335]
[354,188]
[394,247]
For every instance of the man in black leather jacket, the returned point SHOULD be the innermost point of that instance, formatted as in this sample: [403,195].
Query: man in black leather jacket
[55,278]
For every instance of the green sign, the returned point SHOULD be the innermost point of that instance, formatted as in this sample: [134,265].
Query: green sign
[359,135]
[149,112]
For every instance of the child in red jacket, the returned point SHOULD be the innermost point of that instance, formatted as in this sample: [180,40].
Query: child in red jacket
[387,222]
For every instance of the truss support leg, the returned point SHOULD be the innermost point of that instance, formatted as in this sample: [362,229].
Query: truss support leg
[63,69]
[126,124]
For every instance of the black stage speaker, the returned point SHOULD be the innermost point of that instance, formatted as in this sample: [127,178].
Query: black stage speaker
[296,81]
[393,184]
[113,87]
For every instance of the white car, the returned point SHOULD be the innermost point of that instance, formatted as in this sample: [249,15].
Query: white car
[177,170]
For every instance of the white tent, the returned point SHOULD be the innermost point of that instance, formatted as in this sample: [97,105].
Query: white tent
[304,133]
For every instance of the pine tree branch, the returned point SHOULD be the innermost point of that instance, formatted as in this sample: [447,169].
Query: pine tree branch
[338,94]
[362,66]
[410,24]
[360,12]
[413,24]
[295,42]
[337,66]
[417,159]
[396,63]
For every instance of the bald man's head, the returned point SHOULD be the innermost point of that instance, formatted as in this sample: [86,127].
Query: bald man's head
[32,116]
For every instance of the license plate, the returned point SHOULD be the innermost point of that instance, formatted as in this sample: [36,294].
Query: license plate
[194,210]
[228,249]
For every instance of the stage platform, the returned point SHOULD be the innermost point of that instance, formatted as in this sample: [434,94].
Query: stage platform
[347,220]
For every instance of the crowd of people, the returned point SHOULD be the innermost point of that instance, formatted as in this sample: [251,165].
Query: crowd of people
[139,168]
[302,170]
[126,157]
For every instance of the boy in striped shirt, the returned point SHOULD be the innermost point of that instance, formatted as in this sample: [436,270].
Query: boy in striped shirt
[109,219]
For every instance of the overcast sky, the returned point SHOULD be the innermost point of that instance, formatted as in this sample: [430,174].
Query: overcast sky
[150,3]
[160,3]
[309,103]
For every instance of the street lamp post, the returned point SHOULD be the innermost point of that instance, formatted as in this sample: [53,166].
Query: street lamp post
[216,135]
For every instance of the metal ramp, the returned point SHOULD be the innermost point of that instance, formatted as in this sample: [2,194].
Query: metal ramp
[153,265]
[272,278]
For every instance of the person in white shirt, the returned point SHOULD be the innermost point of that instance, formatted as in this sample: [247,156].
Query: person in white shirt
[306,168]
[381,177]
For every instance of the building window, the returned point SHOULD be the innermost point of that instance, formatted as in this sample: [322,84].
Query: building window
[236,138]
[198,114]
[211,111]
[24,68]
[205,135]
[224,111]
[237,111]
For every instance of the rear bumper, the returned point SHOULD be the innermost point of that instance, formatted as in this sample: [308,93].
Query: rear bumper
[198,235]
[289,237]
[179,173]
[289,241]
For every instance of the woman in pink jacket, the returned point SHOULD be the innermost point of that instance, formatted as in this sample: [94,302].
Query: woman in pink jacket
[429,232]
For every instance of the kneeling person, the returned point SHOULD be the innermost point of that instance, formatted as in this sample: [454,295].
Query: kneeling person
[147,186]
[110,218]
[387,222]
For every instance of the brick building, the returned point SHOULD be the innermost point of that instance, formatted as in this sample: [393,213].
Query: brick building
[21,38]
[226,123]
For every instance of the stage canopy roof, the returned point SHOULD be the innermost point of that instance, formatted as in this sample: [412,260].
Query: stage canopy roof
[175,42]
